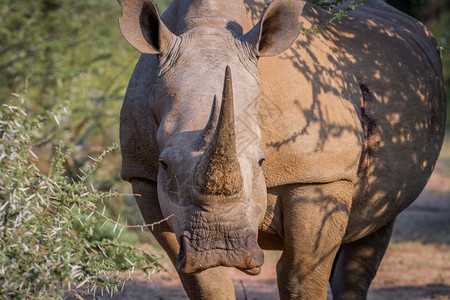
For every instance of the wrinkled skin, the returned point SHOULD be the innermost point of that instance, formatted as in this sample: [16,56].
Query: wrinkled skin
[306,144]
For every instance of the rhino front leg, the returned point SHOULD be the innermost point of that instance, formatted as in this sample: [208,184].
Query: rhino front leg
[357,263]
[314,221]
[211,284]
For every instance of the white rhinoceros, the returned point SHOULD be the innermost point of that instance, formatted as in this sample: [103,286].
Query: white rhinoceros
[349,121]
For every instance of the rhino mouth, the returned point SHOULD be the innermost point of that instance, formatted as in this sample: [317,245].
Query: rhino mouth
[202,249]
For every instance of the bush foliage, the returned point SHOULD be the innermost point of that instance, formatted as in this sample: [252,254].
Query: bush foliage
[51,238]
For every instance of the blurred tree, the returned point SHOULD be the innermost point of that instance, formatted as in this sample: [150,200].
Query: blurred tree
[57,51]
[66,50]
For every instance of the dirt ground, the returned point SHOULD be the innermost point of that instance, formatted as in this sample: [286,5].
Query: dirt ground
[416,264]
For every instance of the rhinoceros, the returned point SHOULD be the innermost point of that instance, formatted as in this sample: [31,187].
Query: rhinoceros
[247,134]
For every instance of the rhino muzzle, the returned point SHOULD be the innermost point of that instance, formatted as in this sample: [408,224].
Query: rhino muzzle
[201,250]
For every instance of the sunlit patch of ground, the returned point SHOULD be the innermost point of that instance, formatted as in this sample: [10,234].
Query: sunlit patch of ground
[416,264]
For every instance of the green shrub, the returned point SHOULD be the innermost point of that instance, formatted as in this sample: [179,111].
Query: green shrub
[52,235]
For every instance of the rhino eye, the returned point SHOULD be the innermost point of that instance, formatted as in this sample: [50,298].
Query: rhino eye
[162,163]
[261,160]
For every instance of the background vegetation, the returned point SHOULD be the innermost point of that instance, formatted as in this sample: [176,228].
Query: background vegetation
[70,53]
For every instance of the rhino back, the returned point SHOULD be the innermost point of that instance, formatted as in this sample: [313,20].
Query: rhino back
[363,100]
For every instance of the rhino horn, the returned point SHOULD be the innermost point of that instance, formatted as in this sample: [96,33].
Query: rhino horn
[219,169]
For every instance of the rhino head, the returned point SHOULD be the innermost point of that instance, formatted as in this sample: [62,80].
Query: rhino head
[213,185]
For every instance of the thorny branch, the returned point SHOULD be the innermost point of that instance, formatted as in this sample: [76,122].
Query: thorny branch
[129,226]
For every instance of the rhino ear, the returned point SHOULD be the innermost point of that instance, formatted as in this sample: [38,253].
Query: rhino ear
[142,27]
[278,28]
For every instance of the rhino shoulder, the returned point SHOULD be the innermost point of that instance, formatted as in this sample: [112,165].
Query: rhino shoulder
[137,128]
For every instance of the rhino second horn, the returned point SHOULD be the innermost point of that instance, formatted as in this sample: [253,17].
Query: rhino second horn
[205,136]
[219,169]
